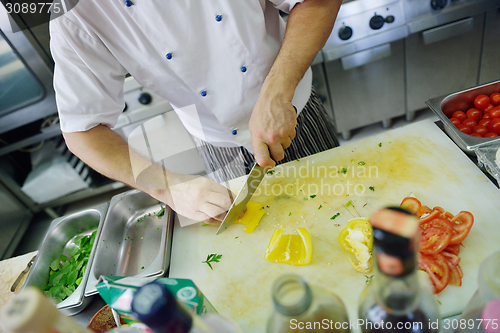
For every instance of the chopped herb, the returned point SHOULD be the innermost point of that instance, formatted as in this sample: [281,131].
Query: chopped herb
[270,172]
[305,199]
[360,187]
[142,267]
[158,228]
[368,279]
[161,212]
[361,163]
[236,237]
[320,207]
[335,216]
[380,144]
[289,214]
[348,203]
[141,219]
[344,171]
[297,160]
[439,302]
[212,258]
[313,196]
[372,188]
[352,160]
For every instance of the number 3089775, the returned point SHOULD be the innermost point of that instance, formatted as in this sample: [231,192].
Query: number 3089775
[470,323]
[33,7]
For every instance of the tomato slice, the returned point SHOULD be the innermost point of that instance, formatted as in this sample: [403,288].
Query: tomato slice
[432,215]
[454,260]
[453,249]
[455,275]
[438,222]
[411,204]
[462,223]
[434,240]
[438,270]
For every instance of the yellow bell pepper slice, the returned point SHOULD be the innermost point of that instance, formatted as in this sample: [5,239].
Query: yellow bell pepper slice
[252,209]
[293,250]
[255,221]
[357,238]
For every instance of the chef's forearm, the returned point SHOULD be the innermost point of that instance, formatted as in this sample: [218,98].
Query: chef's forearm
[308,27]
[106,152]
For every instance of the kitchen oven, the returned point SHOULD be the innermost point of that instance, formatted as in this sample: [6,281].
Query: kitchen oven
[385,58]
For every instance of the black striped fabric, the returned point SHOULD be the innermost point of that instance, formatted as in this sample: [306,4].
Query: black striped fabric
[315,133]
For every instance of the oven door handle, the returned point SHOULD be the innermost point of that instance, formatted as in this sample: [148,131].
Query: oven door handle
[447,31]
[362,58]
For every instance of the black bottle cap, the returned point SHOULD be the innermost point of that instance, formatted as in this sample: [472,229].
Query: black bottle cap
[155,306]
[395,239]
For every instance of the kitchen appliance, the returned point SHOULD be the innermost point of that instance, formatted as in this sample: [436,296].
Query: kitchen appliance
[444,47]
[417,158]
[252,182]
[364,64]
[26,93]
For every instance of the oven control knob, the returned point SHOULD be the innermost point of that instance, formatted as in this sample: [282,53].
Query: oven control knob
[389,19]
[345,32]
[438,4]
[376,22]
[145,98]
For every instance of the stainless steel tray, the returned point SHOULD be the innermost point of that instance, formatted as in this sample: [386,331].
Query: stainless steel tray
[486,156]
[463,100]
[134,241]
[59,238]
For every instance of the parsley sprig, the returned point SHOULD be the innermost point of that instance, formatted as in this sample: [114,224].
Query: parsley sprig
[214,257]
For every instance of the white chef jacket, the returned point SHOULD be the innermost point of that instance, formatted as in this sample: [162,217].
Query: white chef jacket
[214,54]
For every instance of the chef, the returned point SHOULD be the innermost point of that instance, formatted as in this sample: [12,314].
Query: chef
[246,75]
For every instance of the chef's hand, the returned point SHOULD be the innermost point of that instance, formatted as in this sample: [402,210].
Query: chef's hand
[272,127]
[198,198]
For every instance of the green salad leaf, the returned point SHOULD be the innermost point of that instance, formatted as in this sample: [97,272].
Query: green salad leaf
[66,273]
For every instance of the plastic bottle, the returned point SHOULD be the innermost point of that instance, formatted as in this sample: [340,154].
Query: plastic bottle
[32,312]
[155,306]
[482,305]
[301,307]
[395,301]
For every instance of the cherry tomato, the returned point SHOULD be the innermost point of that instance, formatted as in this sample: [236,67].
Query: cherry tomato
[493,126]
[460,115]
[475,114]
[488,108]
[462,223]
[464,128]
[495,112]
[455,121]
[476,135]
[490,135]
[484,122]
[495,98]
[486,116]
[480,129]
[481,102]
[469,122]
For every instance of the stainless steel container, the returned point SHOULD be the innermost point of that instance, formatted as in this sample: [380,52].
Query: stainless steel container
[134,240]
[487,155]
[444,107]
[59,238]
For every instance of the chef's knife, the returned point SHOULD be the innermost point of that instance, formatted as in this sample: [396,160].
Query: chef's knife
[246,192]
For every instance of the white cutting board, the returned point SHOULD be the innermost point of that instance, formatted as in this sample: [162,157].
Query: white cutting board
[417,158]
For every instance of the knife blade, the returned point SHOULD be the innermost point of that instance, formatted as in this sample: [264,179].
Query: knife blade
[253,181]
